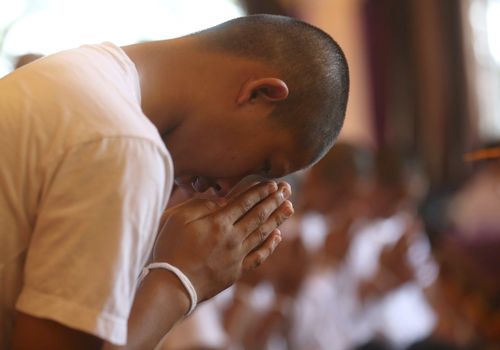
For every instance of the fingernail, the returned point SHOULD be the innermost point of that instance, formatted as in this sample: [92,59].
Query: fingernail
[272,186]
[281,196]
[285,192]
[277,240]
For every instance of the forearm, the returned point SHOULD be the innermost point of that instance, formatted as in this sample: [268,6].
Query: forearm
[160,302]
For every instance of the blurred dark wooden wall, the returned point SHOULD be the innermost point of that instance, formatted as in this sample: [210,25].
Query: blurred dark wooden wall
[419,85]
[272,7]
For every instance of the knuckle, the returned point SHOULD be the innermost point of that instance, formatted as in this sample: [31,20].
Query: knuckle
[246,204]
[262,215]
[268,188]
[264,192]
[245,266]
[232,242]
[218,224]
[279,197]
[210,205]
[281,218]
[286,211]
[259,259]
[262,233]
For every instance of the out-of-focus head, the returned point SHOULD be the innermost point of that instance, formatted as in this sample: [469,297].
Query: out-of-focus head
[25,59]
[336,178]
[297,101]
[389,189]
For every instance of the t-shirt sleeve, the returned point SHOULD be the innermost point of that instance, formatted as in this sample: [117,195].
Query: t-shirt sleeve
[98,217]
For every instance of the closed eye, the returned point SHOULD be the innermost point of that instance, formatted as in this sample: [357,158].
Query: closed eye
[266,169]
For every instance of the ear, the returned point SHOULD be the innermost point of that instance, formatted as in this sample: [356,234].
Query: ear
[271,89]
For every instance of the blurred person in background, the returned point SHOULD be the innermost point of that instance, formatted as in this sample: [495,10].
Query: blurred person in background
[390,259]
[261,311]
[466,296]
[332,200]
[202,330]
[25,59]
[375,262]
[473,210]
[331,194]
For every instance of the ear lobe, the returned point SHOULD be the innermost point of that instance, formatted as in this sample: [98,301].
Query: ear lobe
[271,89]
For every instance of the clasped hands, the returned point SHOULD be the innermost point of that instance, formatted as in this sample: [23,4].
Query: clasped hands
[213,243]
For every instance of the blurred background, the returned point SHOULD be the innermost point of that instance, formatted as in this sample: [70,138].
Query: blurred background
[396,239]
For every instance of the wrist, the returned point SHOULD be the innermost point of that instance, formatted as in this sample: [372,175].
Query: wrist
[181,277]
[167,284]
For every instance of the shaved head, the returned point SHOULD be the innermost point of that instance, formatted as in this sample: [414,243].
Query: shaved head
[310,62]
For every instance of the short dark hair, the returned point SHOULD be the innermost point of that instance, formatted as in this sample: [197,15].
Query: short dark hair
[311,63]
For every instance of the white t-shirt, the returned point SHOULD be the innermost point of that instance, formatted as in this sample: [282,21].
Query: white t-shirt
[84,178]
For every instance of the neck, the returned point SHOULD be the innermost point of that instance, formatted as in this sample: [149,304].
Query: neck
[162,80]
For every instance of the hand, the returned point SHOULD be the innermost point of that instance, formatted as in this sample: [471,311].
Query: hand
[214,243]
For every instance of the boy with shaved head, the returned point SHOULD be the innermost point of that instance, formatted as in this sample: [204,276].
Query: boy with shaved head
[94,138]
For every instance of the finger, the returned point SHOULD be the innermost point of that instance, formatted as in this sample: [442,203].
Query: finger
[285,184]
[262,211]
[244,202]
[260,234]
[244,184]
[258,256]
[193,209]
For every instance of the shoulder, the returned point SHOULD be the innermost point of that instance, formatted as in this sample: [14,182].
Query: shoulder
[78,96]
[105,154]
